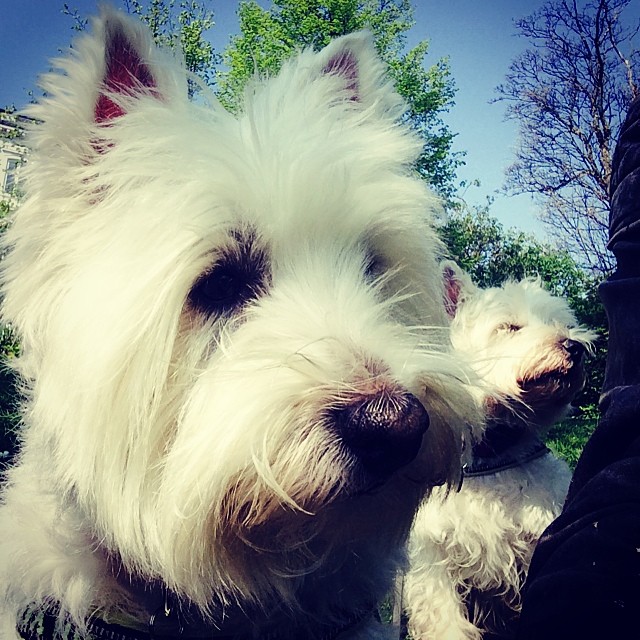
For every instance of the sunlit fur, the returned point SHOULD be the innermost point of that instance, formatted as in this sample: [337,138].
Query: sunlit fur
[164,444]
[469,553]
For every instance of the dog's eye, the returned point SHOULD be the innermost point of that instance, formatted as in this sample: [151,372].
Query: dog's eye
[224,288]
[218,287]
[508,327]
[374,267]
[239,275]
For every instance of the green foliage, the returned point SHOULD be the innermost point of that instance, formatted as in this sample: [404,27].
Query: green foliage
[5,210]
[15,130]
[268,36]
[491,255]
[567,438]
[181,27]
[9,416]
[9,397]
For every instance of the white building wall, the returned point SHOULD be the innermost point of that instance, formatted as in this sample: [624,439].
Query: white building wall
[13,154]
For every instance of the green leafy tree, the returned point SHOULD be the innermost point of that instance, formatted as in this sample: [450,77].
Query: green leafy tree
[11,134]
[9,398]
[269,36]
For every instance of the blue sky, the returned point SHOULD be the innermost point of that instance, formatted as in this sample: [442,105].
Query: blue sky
[477,35]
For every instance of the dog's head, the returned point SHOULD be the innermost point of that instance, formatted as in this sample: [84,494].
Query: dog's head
[523,341]
[234,341]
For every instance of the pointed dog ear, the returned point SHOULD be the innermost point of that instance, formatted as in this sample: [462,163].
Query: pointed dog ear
[353,60]
[344,64]
[457,286]
[107,73]
[125,70]
[103,75]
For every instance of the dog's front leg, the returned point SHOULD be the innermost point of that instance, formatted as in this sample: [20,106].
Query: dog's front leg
[435,609]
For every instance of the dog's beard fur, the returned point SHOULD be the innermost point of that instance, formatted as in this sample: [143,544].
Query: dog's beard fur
[196,293]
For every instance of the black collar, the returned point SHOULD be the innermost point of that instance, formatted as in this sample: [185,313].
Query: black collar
[503,447]
[37,624]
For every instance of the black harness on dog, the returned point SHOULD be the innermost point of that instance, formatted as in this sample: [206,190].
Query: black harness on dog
[39,624]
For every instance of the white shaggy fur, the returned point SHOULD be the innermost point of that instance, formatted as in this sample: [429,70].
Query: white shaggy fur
[470,550]
[190,447]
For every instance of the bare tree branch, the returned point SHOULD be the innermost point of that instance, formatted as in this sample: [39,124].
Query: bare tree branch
[569,91]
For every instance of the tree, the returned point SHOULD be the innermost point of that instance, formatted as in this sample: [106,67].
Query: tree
[268,36]
[491,255]
[182,25]
[569,91]
[11,133]
[9,398]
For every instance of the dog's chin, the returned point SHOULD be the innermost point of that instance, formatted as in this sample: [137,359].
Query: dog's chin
[349,508]
[433,464]
[363,482]
[548,395]
[558,384]
[554,386]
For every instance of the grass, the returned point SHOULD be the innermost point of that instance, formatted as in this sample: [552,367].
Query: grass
[567,438]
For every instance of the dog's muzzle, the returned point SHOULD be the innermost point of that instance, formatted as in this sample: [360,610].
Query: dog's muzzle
[383,431]
[568,373]
[576,350]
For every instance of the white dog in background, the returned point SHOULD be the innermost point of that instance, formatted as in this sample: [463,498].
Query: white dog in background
[235,361]
[470,551]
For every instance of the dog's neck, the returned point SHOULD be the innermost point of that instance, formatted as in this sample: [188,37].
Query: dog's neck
[504,445]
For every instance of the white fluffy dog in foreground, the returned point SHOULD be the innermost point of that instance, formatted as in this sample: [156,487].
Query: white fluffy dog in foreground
[236,377]
[469,553]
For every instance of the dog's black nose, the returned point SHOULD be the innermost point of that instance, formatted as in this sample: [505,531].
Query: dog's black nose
[574,348]
[384,431]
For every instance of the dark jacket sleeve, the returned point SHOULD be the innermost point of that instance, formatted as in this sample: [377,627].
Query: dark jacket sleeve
[584,579]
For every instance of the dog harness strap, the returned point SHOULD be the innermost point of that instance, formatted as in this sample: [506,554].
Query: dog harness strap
[37,624]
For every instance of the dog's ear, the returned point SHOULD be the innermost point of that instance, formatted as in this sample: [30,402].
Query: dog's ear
[104,74]
[457,286]
[364,77]
[127,69]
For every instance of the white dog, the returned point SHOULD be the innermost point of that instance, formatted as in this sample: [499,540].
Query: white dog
[233,406]
[469,552]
